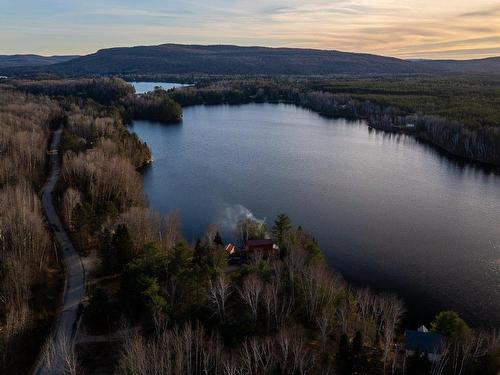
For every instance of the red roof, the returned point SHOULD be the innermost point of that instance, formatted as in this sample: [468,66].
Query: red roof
[254,243]
[230,248]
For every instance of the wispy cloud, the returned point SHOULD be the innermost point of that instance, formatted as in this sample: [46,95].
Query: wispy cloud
[404,28]
[485,12]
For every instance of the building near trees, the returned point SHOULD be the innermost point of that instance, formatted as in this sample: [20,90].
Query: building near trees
[265,246]
[230,248]
[423,341]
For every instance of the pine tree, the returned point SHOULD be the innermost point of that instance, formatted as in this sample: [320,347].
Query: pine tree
[343,357]
[122,252]
[282,224]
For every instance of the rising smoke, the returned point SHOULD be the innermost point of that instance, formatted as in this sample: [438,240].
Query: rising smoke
[232,215]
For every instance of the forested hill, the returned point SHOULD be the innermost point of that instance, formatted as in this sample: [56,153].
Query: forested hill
[221,59]
[487,65]
[235,60]
[10,61]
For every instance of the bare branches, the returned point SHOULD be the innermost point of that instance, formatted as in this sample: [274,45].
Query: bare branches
[324,323]
[24,242]
[319,288]
[24,125]
[143,226]
[256,356]
[105,178]
[286,351]
[292,354]
[186,350]
[251,293]
[391,312]
[72,197]
[218,293]
[60,357]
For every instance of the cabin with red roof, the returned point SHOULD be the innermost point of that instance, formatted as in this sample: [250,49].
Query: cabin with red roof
[230,248]
[264,246]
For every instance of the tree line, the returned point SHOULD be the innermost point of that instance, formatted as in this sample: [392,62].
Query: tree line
[154,106]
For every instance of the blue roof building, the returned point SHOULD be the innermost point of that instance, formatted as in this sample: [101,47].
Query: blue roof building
[425,342]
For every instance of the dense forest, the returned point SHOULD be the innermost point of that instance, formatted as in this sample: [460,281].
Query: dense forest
[155,106]
[158,304]
[29,271]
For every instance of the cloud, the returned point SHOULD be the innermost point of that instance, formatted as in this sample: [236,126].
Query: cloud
[485,12]
[458,53]
[401,28]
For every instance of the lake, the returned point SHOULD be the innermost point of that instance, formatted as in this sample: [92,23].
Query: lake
[387,210]
[143,87]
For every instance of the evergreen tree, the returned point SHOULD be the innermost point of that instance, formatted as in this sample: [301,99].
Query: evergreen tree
[359,362]
[106,250]
[449,324]
[122,248]
[282,224]
[218,239]
[343,357]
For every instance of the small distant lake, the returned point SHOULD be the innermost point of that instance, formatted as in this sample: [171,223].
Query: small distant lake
[387,210]
[143,87]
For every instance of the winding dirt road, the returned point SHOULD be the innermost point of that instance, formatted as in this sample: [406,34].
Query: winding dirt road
[66,324]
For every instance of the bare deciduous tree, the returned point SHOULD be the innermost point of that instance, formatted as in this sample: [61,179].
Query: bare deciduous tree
[251,293]
[59,356]
[179,351]
[292,354]
[218,293]
[72,197]
[391,316]
[364,301]
[171,230]
[319,287]
[324,322]
[24,244]
[143,225]
[104,178]
[257,356]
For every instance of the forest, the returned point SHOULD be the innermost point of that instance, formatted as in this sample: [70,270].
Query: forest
[30,276]
[158,304]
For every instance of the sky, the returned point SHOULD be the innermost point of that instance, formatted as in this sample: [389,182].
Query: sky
[457,29]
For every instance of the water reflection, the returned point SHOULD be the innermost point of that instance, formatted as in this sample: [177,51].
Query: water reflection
[388,210]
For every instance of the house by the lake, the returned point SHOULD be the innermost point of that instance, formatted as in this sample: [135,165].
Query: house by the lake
[426,343]
[265,246]
[239,256]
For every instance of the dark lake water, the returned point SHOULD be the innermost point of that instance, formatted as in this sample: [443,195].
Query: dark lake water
[387,210]
[143,87]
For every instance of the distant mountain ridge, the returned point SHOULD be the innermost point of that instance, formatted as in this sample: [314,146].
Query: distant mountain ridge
[30,60]
[486,65]
[229,59]
[224,59]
